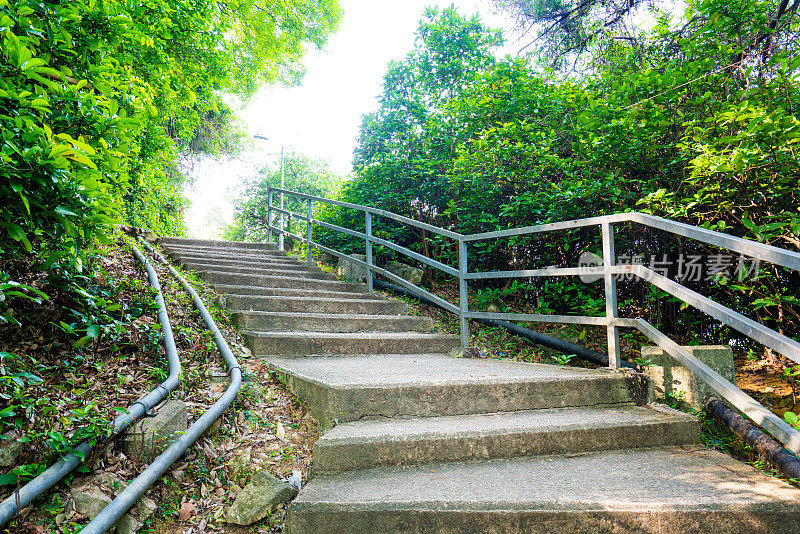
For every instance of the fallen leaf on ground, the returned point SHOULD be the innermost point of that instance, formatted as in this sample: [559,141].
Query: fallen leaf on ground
[186,510]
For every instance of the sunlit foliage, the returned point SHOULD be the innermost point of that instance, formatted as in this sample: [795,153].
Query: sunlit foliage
[98,97]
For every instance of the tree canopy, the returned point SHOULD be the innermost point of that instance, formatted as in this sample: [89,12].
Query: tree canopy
[301,173]
[696,119]
[565,34]
[405,149]
[97,98]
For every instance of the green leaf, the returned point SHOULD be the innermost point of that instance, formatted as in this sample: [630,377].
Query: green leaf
[52,258]
[66,212]
[16,233]
[25,203]
[93,331]
[80,157]
[33,62]
[8,479]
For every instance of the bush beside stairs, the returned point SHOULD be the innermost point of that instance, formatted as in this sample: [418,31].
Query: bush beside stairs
[421,442]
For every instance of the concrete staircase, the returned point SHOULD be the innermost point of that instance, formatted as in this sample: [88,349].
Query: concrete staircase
[289,308]
[420,442]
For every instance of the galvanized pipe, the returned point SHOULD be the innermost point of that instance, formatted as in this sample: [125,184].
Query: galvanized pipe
[752,329]
[128,497]
[374,211]
[309,212]
[269,216]
[30,491]
[610,284]
[368,248]
[776,426]
[779,456]
[463,299]
[766,336]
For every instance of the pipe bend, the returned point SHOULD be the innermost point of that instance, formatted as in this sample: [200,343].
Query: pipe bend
[128,497]
[52,475]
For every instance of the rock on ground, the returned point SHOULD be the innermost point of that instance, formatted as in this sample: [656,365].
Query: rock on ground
[96,492]
[240,465]
[10,448]
[351,271]
[405,271]
[258,499]
[149,437]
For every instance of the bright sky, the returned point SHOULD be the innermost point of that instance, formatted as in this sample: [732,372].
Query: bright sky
[321,117]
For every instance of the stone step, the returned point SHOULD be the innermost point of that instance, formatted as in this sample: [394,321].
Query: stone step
[290,293]
[223,250]
[224,254]
[277,263]
[347,344]
[215,243]
[261,271]
[429,385]
[271,281]
[375,443]
[671,490]
[316,304]
[266,321]
[427,443]
[227,252]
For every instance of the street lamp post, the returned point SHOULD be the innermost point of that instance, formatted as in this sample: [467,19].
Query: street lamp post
[280,234]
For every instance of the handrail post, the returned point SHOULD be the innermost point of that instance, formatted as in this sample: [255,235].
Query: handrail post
[463,301]
[309,257]
[612,310]
[368,233]
[280,234]
[288,228]
[269,216]
[283,228]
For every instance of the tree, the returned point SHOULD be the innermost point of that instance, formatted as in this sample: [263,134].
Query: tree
[406,148]
[271,37]
[97,98]
[561,34]
[301,173]
[691,121]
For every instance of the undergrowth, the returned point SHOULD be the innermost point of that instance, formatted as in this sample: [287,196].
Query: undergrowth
[65,331]
[77,346]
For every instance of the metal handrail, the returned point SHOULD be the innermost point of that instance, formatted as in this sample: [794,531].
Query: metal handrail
[611,320]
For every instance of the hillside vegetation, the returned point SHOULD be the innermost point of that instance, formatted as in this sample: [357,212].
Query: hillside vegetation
[98,101]
[696,119]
